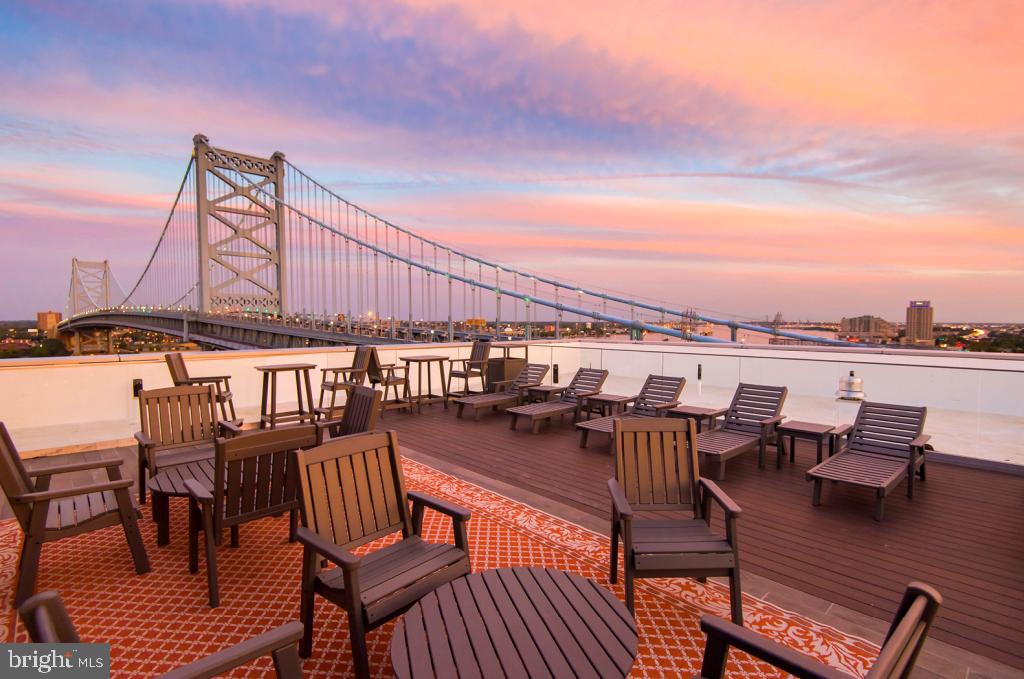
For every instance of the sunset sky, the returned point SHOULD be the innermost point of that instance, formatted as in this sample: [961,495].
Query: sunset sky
[818,159]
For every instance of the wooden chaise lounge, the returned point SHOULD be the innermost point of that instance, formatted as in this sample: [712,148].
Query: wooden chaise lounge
[883,446]
[506,393]
[586,382]
[895,660]
[658,394]
[749,424]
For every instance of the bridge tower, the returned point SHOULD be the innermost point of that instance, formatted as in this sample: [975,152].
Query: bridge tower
[241,235]
[90,286]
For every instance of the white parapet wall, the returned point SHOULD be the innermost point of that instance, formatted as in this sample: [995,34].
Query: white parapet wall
[975,402]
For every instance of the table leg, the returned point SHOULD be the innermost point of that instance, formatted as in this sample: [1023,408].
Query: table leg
[819,450]
[780,450]
[162,514]
[419,387]
[309,397]
[273,400]
[263,401]
[298,397]
[792,448]
[444,385]
[430,383]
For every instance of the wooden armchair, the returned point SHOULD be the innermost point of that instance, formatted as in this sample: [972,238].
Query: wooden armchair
[253,478]
[337,380]
[179,425]
[48,622]
[883,446]
[360,414]
[353,492]
[896,659]
[656,470]
[49,515]
[474,366]
[220,384]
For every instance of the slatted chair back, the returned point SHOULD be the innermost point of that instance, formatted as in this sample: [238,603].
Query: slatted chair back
[361,361]
[657,390]
[886,429]
[531,373]
[907,634]
[252,474]
[478,354]
[178,416]
[176,365]
[586,380]
[361,411]
[47,621]
[751,404]
[373,369]
[656,462]
[353,491]
[14,478]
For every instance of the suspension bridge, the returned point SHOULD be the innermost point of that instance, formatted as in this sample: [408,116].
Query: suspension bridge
[256,253]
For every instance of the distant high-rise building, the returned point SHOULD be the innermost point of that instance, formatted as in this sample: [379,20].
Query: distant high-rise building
[867,328]
[920,323]
[46,322]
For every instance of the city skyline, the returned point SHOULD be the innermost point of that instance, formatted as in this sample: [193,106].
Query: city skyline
[831,166]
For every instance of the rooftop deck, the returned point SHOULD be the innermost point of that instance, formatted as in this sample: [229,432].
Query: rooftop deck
[960,533]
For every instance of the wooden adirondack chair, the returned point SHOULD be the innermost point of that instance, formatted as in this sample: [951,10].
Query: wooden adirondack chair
[353,492]
[586,382]
[656,470]
[253,478]
[883,446]
[658,395]
[342,380]
[755,412]
[471,367]
[506,392]
[220,383]
[360,414]
[49,515]
[896,659]
[48,622]
[179,425]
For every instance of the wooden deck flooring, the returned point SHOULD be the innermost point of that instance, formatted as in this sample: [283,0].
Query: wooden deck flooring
[963,533]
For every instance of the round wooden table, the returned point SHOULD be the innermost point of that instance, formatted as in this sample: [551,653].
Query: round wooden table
[516,622]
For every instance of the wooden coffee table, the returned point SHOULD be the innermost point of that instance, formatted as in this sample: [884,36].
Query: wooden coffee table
[810,431]
[699,413]
[170,482]
[609,404]
[516,622]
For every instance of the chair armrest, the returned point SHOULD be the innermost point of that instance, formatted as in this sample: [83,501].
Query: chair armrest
[722,632]
[144,440]
[584,394]
[665,406]
[229,428]
[920,441]
[39,496]
[323,546]
[197,491]
[212,379]
[772,420]
[439,505]
[61,468]
[619,499]
[718,495]
[220,662]
[842,430]
[501,385]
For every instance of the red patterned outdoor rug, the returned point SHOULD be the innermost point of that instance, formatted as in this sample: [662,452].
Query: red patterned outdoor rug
[160,620]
